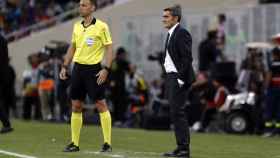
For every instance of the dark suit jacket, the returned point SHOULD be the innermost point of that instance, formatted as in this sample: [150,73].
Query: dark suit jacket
[4,60]
[4,57]
[180,51]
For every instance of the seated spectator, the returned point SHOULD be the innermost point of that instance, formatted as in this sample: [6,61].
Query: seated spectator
[157,97]
[252,72]
[138,97]
[46,88]
[30,89]
[214,104]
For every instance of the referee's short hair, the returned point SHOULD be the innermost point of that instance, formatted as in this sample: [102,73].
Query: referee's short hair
[93,2]
[175,10]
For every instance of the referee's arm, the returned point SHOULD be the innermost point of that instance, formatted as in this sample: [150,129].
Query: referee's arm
[109,55]
[67,60]
[70,54]
[103,74]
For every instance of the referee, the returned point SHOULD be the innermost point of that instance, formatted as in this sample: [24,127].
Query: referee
[90,40]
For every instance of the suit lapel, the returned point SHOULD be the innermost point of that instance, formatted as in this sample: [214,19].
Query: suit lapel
[168,43]
[174,34]
[172,38]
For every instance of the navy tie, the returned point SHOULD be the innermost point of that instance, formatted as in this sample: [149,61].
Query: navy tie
[166,42]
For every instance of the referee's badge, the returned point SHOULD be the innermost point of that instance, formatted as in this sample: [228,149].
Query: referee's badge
[90,41]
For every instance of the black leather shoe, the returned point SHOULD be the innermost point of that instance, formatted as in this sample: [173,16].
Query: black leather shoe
[71,148]
[5,130]
[106,148]
[177,153]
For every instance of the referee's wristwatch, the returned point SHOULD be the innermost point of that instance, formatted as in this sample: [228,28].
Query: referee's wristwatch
[107,68]
[64,66]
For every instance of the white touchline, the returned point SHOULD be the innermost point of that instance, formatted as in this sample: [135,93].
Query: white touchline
[104,154]
[120,154]
[15,154]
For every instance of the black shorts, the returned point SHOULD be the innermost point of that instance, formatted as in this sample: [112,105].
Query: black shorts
[84,82]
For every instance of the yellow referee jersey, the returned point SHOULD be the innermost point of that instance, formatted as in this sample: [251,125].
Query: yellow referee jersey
[90,41]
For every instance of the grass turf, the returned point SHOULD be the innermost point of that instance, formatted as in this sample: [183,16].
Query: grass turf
[45,140]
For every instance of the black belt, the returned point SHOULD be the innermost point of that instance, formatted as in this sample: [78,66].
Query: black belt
[85,66]
[173,74]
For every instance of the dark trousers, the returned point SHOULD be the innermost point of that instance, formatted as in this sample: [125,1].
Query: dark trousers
[10,102]
[177,96]
[272,108]
[4,117]
[3,114]
[63,98]
[207,116]
[28,103]
[120,105]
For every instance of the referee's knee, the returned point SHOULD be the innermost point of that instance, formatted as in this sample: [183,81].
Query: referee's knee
[77,106]
[101,105]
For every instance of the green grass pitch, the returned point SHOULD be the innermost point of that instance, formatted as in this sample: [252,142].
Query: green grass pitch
[46,140]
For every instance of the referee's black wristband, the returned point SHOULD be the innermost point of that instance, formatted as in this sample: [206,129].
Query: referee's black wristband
[107,68]
[64,66]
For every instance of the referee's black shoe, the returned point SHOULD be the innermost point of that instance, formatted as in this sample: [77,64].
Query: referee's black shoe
[71,148]
[106,148]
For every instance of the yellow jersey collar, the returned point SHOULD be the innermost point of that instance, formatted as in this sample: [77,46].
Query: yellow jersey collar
[92,22]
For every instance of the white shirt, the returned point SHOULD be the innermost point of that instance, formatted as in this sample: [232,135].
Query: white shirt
[168,63]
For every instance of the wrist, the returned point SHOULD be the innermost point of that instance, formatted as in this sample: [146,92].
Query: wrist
[64,66]
[108,69]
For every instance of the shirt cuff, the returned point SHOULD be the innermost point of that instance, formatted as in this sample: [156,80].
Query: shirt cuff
[180,82]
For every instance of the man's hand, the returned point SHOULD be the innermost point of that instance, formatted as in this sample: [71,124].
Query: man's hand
[102,76]
[63,73]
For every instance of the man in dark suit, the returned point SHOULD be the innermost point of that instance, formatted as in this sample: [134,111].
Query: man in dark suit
[179,77]
[4,70]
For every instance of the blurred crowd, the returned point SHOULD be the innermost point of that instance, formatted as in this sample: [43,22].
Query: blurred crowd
[19,14]
[45,96]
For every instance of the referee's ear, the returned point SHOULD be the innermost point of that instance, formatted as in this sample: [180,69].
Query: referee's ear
[93,8]
[94,5]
